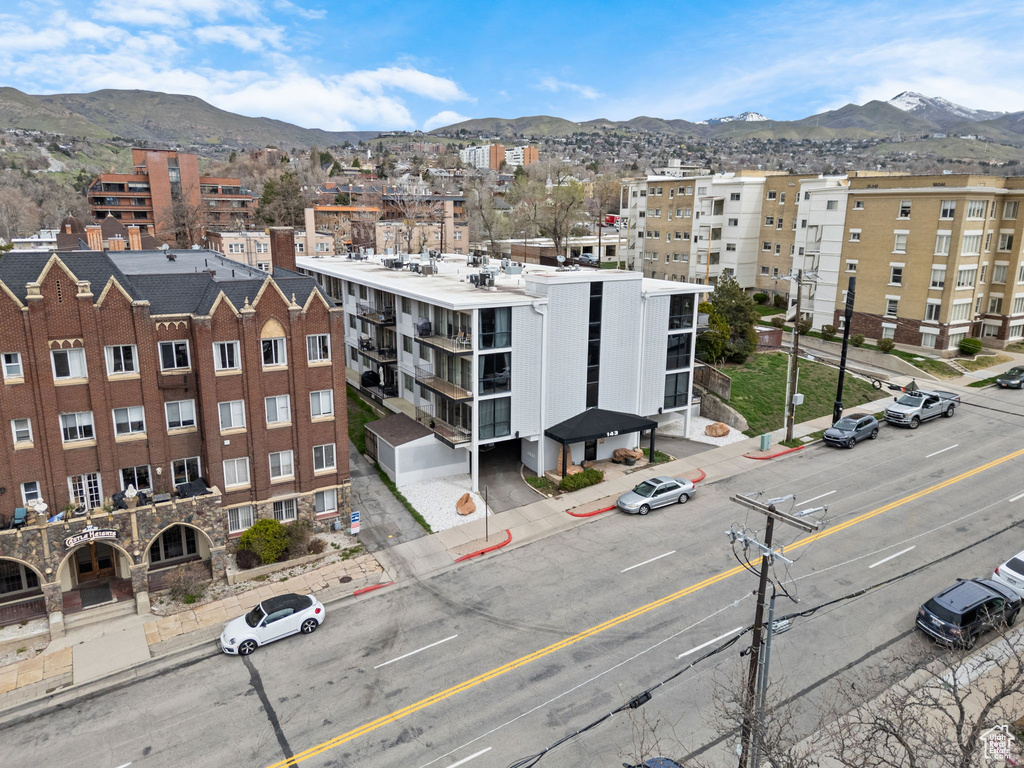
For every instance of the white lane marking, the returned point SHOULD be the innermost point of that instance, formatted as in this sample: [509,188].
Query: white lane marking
[1018,497]
[465,760]
[645,562]
[124,766]
[942,451]
[709,642]
[801,503]
[413,653]
[890,557]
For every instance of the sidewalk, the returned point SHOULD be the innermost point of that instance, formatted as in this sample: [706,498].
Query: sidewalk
[81,662]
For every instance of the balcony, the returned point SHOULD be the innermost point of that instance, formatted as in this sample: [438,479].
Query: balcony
[376,315]
[379,354]
[425,376]
[449,434]
[458,344]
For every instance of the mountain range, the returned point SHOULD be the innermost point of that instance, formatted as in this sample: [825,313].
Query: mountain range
[151,116]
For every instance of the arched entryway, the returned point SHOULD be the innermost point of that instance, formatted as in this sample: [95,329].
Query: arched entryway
[21,596]
[95,573]
[175,545]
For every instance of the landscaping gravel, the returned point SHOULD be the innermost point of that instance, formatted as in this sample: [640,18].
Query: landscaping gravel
[435,500]
[677,428]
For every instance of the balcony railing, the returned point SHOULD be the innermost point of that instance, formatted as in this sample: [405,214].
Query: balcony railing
[458,344]
[379,355]
[449,434]
[425,376]
[376,315]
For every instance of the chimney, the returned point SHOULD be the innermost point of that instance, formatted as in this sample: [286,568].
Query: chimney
[116,244]
[310,232]
[282,247]
[94,237]
[134,238]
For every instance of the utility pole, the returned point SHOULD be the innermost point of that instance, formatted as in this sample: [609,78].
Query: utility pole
[795,352]
[753,693]
[837,409]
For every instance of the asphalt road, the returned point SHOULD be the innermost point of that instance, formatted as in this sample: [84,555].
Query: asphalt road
[501,658]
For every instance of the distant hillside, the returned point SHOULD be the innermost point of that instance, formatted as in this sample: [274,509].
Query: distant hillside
[150,116]
[537,125]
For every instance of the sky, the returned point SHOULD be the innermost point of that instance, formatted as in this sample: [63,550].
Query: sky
[405,65]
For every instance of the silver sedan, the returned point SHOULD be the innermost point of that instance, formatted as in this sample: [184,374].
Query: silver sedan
[656,492]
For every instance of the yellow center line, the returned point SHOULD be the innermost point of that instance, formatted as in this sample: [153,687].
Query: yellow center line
[596,630]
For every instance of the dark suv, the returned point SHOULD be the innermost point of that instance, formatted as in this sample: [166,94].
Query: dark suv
[959,614]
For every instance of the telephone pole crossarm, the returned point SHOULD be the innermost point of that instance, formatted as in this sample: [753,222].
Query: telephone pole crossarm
[770,511]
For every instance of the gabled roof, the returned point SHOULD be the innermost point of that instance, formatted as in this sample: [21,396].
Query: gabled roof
[17,270]
[398,429]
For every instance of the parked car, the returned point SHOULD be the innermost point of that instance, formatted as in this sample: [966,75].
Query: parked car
[271,620]
[850,430]
[960,613]
[1011,573]
[656,492]
[914,407]
[588,259]
[1012,378]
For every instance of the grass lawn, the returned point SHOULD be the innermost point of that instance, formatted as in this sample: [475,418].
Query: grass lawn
[759,391]
[982,361]
[767,310]
[1017,346]
[360,413]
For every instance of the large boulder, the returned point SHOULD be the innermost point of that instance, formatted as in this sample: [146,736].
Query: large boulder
[621,454]
[465,505]
[574,469]
[718,429]
[568,454]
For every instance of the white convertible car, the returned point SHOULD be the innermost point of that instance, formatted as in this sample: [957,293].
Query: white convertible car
[271,620]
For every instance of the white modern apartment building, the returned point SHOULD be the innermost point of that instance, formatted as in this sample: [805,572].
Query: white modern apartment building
[820,231]
[482,354]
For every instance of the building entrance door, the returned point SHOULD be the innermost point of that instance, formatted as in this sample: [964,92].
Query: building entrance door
[590,450]
[94,562]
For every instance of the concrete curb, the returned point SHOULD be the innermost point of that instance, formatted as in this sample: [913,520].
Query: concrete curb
[703,475]
[774,455]
[371,588]
[590,514]
[485,550]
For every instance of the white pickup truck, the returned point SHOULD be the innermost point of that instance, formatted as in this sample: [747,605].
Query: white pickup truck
[911,408]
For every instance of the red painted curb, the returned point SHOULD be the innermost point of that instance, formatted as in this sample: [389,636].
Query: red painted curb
[703,474]
[590,514]
[773,455]
[484,551]
[364,590]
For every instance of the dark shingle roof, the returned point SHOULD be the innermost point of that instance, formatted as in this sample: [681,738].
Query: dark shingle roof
[17,270]
[398,429]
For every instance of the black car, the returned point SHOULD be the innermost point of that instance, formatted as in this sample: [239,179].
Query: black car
[1012,378]
[959,614]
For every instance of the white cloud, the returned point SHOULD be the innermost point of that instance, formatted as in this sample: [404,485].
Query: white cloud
[252,39]
[305,13]
[445,117]
[175,13]
[554,85]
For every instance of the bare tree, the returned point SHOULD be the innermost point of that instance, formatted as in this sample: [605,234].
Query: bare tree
[416,211]
[554,209]
[188,216]
[17,213]
[486,221]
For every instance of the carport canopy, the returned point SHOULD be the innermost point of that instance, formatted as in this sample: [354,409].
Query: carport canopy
[596,423]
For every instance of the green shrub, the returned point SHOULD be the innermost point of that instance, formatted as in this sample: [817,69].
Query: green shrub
[778,321]
[857,339]
[886,345]
[804,327]
[761,298]
[300,533]
[828,333]
[268,538]
[587,477]
[246,559]
[779,301]
[970,347]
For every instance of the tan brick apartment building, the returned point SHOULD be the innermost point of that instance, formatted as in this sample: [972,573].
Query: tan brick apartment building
[173,373]
[146,197]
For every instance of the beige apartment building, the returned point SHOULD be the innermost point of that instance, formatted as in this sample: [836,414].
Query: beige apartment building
[937,259]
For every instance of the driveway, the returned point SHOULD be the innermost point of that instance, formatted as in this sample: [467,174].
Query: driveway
[499,474]
[384,520]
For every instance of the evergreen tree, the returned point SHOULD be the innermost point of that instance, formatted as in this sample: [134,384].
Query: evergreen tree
[737,310]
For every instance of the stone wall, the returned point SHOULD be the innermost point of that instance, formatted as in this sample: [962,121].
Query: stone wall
[713,408]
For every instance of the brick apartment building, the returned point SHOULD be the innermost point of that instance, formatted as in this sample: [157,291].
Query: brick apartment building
[146,198]
[159,370]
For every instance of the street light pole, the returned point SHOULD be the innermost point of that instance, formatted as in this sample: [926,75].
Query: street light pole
[795,352]
[837,409]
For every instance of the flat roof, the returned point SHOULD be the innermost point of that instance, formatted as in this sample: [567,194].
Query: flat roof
[185,262]
[451,287]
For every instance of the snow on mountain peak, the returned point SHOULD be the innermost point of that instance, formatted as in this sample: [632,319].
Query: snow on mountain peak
[909,101]
[743,117]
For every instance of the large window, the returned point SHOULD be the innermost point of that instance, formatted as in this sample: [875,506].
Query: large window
[938,277]
[30,493]
[76,426]
[236,472]
[325,502]
[86,490]
[285,511]
[942,244]
[15,577]
[677,387]
[680,311]
[495,418]
[496,328]
[976,209]
[22,430]
[495,373]
[136,476]
[948,209]
[279,409]
[122,358]
[185,470]
[226,356]
[282,464]
[181,414]
[971,246]
[932,311]
[324,457]
[965,277]
[12,365]
[130,420]
[232,414]
[321,403]
[678,351]
[274,352]
[174,355]
[318,347]
[69,364]
[175,543]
